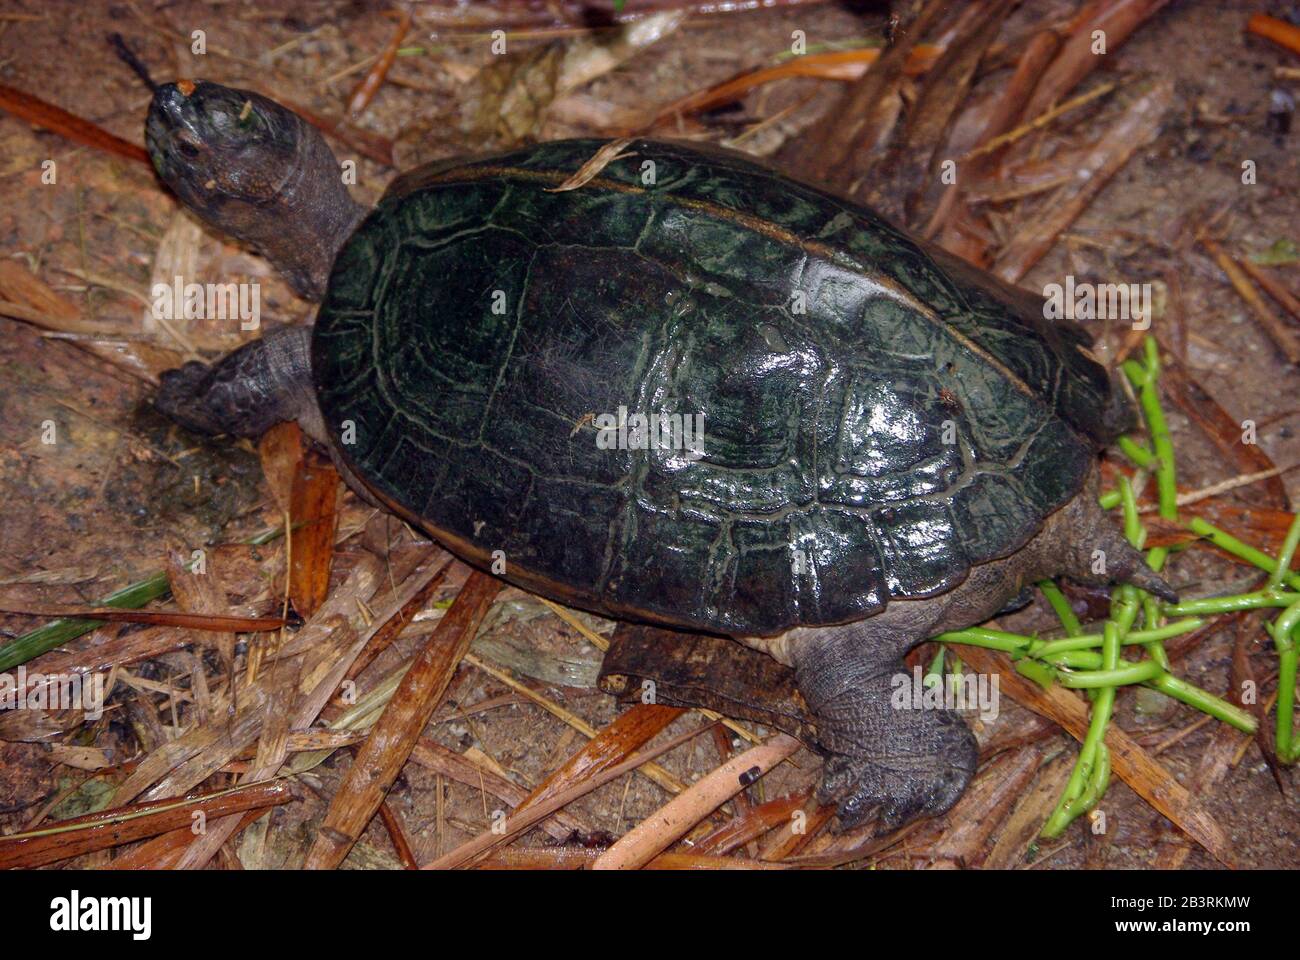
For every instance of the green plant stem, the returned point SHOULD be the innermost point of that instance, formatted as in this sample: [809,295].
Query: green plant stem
[1161,441]
[1139,454]
[1287,553]
[1288,661]
[58,632]
[1151,613]
[1230,544]
[1086,641]
[1111,677]
[131,597]
[1208,606]
[1134,532]
[1283,631]
[934,672]
[1204,701]
[1068,807]
[1062,607]
[1096,786]
[1014,643]
[1136,373]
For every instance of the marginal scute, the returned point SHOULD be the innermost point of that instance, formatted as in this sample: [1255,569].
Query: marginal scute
[877,419]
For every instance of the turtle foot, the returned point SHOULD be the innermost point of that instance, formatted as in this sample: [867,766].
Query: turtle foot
[897,782]
[886,754]
[246,392]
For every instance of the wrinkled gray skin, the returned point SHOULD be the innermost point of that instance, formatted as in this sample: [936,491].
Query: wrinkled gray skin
[256,171]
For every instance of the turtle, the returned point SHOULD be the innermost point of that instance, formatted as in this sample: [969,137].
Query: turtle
[668,384]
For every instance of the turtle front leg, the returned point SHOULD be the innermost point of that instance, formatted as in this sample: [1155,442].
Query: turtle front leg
[250,390]
[901,762]
[246,392]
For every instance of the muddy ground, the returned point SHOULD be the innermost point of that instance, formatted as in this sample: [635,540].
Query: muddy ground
[97,508]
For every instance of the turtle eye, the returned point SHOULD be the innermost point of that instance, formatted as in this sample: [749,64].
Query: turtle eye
[188,150]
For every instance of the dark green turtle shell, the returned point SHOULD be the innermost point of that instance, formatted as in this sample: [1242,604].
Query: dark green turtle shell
[479,320]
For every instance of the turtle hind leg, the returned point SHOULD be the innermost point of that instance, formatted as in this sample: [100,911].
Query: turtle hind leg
[898,761]
[246,392]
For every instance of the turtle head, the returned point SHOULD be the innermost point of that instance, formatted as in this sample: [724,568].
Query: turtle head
[255,170]
[218,147]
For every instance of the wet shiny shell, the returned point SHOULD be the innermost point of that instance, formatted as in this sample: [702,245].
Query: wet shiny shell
[877,418]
